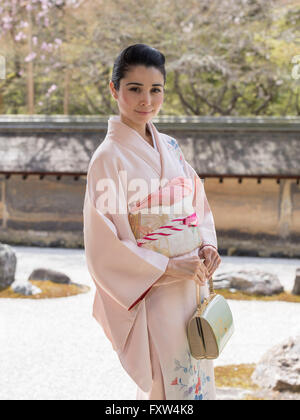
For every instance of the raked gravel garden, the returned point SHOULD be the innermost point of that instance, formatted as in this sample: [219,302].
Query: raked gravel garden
[53,349]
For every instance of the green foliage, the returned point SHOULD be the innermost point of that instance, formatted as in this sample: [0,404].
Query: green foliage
[229,60]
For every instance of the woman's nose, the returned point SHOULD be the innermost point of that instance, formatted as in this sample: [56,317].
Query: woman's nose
[146,100]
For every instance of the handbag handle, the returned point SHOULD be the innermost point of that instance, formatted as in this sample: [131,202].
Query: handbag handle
[211,291]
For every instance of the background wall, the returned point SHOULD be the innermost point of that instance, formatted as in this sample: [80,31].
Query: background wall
[251,168]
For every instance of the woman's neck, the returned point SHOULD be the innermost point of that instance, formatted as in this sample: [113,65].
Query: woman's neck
[142,130]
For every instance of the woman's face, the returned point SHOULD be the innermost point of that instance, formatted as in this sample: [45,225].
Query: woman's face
[141,94]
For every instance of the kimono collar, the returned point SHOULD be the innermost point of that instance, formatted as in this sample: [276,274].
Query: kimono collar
[130,138]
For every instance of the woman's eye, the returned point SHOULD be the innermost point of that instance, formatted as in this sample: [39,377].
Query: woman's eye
[135,89]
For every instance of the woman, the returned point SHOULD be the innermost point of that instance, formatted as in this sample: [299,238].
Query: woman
[144,299]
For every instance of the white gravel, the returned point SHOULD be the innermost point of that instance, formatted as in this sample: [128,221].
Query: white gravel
[54,349]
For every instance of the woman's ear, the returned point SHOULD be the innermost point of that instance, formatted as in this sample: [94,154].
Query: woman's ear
[112,89]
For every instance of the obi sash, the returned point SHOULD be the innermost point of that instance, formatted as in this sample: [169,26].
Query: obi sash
[166,221]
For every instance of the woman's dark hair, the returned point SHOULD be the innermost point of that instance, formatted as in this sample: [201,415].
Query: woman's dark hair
[137,54]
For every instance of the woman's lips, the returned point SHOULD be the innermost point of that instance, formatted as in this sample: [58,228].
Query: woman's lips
[142,112]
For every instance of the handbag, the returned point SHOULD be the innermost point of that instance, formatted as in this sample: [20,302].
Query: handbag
[211,326]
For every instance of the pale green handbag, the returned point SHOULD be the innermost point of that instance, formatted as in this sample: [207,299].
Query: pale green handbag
[211,326]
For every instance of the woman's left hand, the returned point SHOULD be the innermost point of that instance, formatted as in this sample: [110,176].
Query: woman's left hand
[212,258]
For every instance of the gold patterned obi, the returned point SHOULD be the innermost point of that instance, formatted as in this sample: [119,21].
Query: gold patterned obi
[171,229]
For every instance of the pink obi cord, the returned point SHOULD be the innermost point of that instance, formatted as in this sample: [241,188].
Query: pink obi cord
[189,220]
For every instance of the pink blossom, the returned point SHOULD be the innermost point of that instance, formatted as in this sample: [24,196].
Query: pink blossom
[7,26]
[30,57]
[20,36]
[50,90]
[23,24]
[46,47]
[7,19]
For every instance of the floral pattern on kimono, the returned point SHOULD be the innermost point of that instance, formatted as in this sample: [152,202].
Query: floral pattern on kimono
[191,379]
[174,146]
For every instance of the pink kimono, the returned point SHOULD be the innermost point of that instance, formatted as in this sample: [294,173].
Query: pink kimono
[144,321]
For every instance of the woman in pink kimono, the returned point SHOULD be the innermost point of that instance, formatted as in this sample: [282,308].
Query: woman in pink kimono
[144,298]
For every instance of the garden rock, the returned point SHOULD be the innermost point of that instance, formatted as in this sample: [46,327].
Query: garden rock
[279,368]
[43,274]
[27,289]
[8,264]
[249,281]
[296,288]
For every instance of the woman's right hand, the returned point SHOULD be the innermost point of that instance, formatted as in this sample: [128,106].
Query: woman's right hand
[189,268]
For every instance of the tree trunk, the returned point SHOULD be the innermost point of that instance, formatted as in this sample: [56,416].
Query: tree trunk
[30,81]
[66,91]
[1,104]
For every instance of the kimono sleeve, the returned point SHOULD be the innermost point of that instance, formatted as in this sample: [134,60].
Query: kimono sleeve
[204,213]
[117,265]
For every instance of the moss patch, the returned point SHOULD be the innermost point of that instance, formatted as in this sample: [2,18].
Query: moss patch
[49,290]
[235,376]
[250,397]
[239,295]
